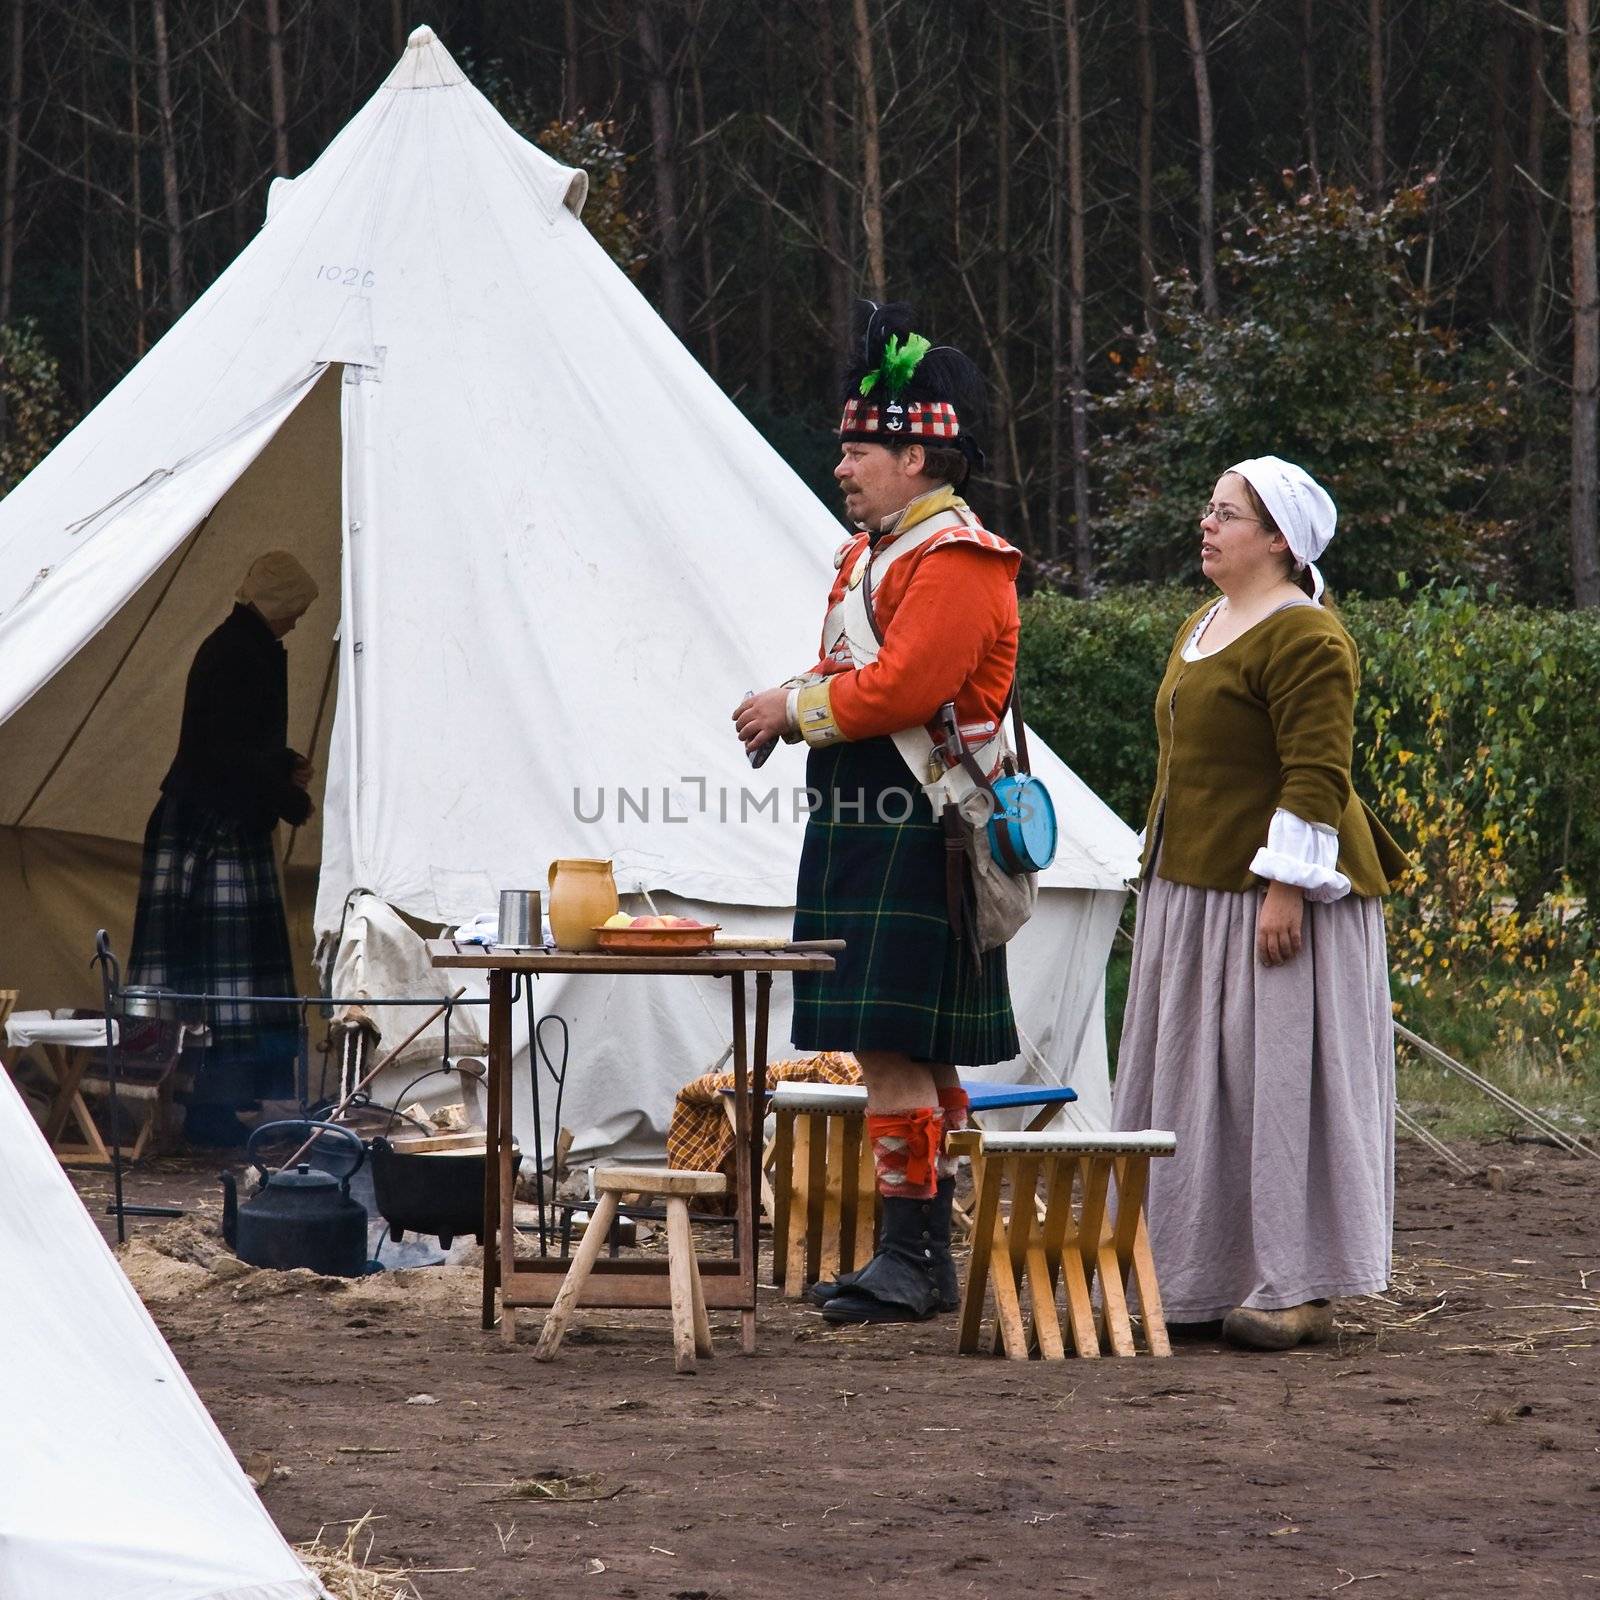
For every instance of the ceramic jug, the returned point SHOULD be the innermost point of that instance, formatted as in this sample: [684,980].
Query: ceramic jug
[582,895]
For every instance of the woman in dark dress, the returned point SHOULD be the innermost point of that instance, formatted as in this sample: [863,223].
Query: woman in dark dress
[211,916]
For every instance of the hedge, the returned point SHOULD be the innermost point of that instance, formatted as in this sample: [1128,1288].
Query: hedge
[1530,679]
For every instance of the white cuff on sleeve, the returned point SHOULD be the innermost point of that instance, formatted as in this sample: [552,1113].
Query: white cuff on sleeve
[1305,854]
[789,709]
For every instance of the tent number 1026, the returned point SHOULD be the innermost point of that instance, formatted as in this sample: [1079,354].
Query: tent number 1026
[351,277]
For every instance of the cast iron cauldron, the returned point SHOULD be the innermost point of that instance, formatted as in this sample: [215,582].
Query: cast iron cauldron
[438,1191]
[303,1217]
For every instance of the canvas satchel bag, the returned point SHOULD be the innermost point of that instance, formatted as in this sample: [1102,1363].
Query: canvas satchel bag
[985,904]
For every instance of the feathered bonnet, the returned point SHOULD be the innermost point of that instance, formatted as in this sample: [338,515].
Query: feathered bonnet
[899,386]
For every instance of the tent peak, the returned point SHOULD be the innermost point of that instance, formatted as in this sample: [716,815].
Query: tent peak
[426,64]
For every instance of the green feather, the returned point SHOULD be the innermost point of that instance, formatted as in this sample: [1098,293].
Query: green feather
[898,366]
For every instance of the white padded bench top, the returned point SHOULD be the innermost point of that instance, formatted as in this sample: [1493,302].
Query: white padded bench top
[818,1097]
[1147,1142]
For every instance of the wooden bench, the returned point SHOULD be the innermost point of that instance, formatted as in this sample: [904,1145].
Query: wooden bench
[1075,1225]
[824,1195]
[824,1191]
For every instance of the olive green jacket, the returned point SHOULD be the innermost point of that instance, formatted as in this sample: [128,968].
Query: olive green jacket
[1267,721]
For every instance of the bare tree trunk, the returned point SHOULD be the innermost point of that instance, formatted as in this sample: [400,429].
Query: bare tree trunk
[766,232]
[177,294]
[828,201]
[1535,241]
[280,99]
[136,180]
[1082,540]
[398,32]
[663,161]
[1500,172]
[1377,160]
[1207,138]
[85,254]
[8,194]
[1058,190]
[245,217]
[1308,88]
[1147,163]
[708,279]
[871,155]
[1005,477]
[571,93]
[1585,312]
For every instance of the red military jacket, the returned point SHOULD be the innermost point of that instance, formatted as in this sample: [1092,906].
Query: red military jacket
[947,616]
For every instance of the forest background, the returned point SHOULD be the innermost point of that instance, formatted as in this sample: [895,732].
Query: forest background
[1358,233]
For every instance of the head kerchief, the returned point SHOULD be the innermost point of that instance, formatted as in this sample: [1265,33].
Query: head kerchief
[1303,510]
[278,587]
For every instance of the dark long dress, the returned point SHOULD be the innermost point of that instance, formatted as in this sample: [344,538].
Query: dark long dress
[211,916]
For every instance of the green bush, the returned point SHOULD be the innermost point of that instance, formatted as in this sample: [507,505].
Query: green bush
[1531,678]
[33,412]
[1088,676]
[1477,743]
[1329,351]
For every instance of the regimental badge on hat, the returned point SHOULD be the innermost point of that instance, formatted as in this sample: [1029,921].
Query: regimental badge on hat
[894,417]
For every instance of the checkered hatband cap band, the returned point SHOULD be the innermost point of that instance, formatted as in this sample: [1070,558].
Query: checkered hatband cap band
[917,419]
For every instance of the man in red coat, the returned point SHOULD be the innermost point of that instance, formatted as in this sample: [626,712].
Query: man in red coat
[934,623]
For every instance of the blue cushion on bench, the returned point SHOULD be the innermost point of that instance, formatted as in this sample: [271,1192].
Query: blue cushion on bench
[1000,1096]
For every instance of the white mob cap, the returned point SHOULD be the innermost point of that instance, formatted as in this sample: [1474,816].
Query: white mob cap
[1303,510]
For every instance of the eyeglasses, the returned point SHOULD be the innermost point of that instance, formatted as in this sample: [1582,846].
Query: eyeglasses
[1225,516]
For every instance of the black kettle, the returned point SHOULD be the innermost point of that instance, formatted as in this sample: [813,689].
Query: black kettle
[300,1217]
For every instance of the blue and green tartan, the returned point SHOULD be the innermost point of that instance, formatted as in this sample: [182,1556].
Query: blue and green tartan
[903,981]
[211,921]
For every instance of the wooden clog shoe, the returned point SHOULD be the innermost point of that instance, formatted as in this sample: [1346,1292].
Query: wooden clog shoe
[1249,1329]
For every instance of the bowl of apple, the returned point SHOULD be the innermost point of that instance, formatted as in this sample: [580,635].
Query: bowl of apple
[625,935]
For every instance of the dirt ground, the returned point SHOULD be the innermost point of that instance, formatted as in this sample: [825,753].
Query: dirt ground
[1447,1445]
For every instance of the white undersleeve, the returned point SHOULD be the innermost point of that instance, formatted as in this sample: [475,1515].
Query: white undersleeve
[1305,854]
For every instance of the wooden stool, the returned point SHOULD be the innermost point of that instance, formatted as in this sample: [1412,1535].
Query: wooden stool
[1046,1243]
[824,1191]
[691,1328]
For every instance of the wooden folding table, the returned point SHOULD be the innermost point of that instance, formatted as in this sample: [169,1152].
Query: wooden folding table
[534,1282]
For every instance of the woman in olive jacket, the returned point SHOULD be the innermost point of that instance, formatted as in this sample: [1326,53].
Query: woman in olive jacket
[1258,1025]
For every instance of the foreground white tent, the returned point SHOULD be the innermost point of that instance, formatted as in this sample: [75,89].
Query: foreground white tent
[552,557]
[116,1482]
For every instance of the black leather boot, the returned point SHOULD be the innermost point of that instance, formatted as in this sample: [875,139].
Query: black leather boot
[824,1289]
[944,1266]
[900,1283]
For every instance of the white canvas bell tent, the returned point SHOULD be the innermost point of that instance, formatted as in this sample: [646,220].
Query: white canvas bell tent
[552,556]
[116,1483]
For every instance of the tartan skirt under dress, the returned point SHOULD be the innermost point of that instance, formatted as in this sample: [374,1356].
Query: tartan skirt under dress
[903,982]
[211,920]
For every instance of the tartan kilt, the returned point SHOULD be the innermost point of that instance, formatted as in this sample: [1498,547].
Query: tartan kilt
[903,982]
[211,920]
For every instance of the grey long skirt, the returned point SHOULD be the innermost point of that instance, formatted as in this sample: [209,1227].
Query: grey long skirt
[1279,1083]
